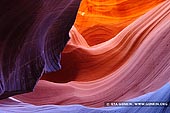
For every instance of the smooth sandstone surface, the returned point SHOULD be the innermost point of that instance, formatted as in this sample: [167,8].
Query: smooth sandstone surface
[133,63]
[162,96]
[101,20]
[118,51]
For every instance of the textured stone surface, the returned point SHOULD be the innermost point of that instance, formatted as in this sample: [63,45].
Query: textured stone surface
[133,63]
[32,35]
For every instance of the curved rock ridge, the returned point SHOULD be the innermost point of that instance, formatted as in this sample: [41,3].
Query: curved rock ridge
[32,36]
[119,51]
[161,96]
[131,64]
[94,62]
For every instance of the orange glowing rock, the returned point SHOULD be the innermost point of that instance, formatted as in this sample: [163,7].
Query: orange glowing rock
[101,20]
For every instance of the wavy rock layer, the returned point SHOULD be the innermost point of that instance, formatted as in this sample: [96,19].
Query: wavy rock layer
[101,20]
[32,35]
[103,61]
[133,63]
[161,95]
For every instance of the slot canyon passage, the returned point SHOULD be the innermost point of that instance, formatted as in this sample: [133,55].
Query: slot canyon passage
[73,56]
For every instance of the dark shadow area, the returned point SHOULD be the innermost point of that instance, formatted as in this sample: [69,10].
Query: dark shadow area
[67,73]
